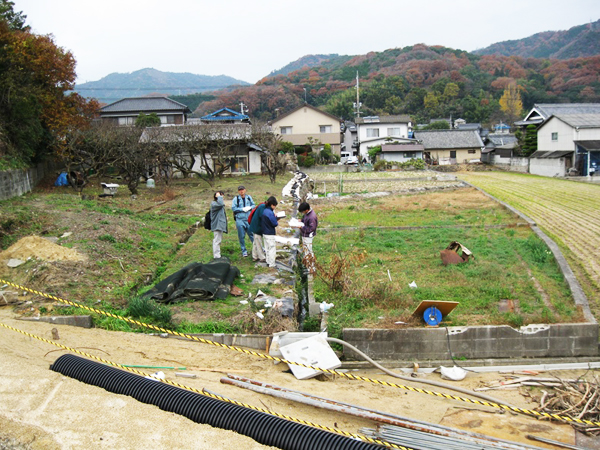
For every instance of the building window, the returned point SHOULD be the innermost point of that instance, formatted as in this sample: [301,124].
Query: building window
[237,164]
[164,120]
[394,132]
[372,132]
[324,128]
[286,130]
[409,155]
[126,121]
[471,150]
[555,136]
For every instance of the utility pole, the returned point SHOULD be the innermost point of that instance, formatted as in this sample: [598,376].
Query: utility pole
[304,95]
[358,104]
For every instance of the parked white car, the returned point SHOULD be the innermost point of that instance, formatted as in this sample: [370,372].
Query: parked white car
[352,160]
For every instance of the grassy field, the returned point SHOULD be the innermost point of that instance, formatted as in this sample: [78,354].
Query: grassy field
[382,243]
[567,211]
[399,242]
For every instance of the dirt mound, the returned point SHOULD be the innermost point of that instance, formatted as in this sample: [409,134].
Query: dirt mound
[38,247]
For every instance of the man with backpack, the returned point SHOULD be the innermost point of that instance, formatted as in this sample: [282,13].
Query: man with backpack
[241,206]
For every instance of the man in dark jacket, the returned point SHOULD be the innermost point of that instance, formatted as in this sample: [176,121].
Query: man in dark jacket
[308,229]
[268,223]
[258,254]
[218,222]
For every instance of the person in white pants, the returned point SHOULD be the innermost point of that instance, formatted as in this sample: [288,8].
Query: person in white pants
[218,222]
[268,223]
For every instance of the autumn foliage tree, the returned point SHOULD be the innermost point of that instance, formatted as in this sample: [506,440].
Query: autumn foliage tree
[38,110]
[510,102]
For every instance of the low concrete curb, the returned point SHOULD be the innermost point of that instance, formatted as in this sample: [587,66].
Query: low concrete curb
[255,341]
[76,321]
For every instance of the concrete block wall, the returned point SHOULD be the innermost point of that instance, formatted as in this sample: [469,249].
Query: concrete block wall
[514,164]
[18,182]
[532,341]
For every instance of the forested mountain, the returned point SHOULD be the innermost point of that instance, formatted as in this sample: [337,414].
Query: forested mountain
[577,42]
[142,82]
[423,81]
[308,61]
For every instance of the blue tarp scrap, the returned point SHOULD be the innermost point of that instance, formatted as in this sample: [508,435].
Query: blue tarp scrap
[61,180]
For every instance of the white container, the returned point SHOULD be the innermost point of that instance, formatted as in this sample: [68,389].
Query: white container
[150,183]
[110,188]
[313,351]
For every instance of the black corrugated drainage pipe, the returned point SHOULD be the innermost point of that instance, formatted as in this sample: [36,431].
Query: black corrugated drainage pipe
[261,427]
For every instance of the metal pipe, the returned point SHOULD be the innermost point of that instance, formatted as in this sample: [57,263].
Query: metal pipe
[415,380]
[550,441]
[333,405]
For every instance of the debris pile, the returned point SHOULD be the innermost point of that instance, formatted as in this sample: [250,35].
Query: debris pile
[576,398]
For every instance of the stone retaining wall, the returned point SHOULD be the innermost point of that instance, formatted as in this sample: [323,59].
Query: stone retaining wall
[532,341]
[18,182]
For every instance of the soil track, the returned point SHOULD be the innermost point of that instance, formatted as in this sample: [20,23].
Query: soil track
[46,410]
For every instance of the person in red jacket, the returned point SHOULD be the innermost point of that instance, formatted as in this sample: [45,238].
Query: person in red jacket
[308,229]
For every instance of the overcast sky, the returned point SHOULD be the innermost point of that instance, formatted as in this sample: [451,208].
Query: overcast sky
[249,39]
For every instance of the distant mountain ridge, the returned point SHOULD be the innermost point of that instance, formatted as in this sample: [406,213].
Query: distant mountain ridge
[307,61]
[116,86]
[576,42]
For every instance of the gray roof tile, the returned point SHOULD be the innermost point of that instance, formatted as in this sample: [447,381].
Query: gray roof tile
[144,104]
[383,119]
[554,109]
[448,139]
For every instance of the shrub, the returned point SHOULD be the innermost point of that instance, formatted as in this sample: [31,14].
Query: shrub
[286,147]
[140,307]
[306,161]
[380,165]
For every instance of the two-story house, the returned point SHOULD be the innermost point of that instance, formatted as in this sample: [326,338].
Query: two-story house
[124,112]
[306,121]
[374,131]
[567,141]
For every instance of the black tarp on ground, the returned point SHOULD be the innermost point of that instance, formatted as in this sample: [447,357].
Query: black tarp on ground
[196,281]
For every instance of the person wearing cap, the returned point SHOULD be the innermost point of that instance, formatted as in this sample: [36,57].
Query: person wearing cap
[241,206]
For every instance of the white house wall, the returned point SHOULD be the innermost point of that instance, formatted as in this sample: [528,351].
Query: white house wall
[399,156]
[366,142]
[306,122]
[565,136]
[254,162]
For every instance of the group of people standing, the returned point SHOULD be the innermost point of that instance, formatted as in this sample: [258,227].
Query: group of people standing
[261,229]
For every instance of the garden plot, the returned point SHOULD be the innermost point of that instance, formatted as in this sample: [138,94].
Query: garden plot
[362,182]
[568,212]
[371,250]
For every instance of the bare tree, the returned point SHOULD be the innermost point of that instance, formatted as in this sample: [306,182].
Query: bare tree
[88,152]
[132,158]
[224,139]
[203,150]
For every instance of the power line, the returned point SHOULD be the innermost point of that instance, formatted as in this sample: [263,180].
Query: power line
[154,88]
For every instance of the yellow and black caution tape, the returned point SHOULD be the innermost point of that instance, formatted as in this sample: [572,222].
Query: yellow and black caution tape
[350,376]
[215,396]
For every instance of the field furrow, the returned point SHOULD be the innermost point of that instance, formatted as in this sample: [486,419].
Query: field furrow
[567,211]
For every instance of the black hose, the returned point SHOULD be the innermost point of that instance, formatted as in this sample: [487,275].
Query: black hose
[263,428]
